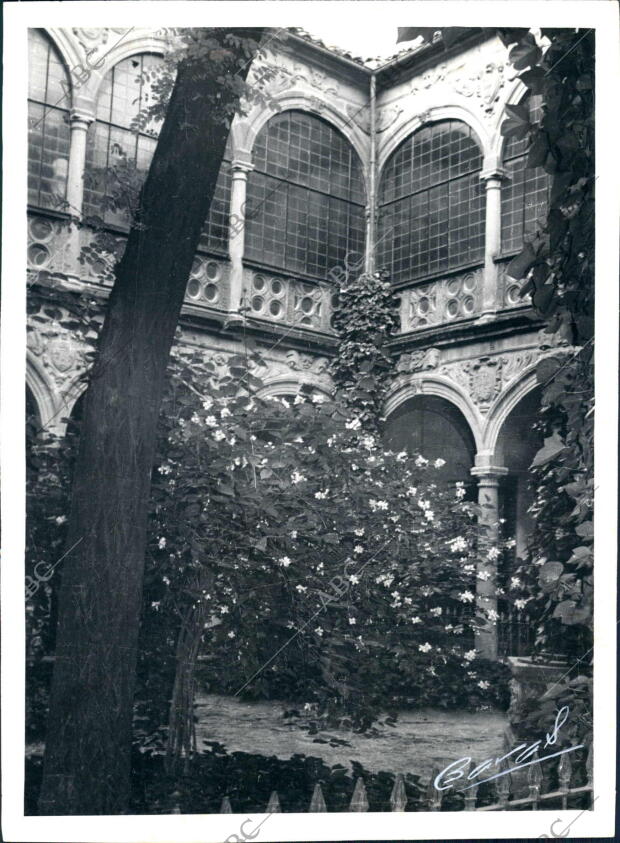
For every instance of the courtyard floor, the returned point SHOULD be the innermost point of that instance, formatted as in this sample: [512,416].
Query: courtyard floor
[420,741]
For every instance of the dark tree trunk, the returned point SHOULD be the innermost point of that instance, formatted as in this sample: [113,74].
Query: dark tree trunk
[88,747]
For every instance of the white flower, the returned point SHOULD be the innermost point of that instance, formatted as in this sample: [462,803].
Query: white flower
[319,631]
[352,578]
[354,424]
[219,435]
[375,505]
[285,403]
[520,604]
[299,440]
[231,634]
[60,519]
[420,461]
[298,400]
[223,610]
[161,543]
[284,561]
[468,569]
[423,504]
[368,442]
[211,421]
[424,648]
[466,597]
[296,477]
[165,580]
[429,514]
[460,493]
[411,491]
[317,398]
[448,627]
[482,684]
[320,496]
[408,601]
[163,469]
[515,582]
[437,610]
[301,588]
[352,621]
[439,463]
[492,615]
[416,619]
[426,591]
[293,534]
[483,575]
[359,531]
[331,441]
[470,655]
[402,456]
[458,544]
[155,605]
[195,418]
[511,543]
[207,404]
[358,549]
[225,412]
[493,553]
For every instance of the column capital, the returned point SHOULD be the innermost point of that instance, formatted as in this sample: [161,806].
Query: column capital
[490,473]
[493,174]
[80,117]
[241,162]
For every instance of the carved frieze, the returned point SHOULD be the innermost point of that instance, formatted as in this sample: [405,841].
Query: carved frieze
[386,116]
[420,360]
[484,84]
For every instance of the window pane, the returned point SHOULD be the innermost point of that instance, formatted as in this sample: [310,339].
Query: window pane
[432,203]
[306,197]
[48,124]
[525,192]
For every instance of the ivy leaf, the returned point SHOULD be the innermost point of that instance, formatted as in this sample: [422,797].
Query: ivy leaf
[534,79]
[526,53]
[517,123]
[520,265]
[410,33]
[551,449]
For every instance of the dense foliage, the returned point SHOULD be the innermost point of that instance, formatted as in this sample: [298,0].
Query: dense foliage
[365,316]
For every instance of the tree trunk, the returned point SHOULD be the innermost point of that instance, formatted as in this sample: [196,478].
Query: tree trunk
[88,746]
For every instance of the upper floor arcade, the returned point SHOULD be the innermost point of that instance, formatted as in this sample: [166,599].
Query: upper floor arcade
[339,168]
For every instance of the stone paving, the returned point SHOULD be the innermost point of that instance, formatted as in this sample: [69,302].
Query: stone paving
[421,740]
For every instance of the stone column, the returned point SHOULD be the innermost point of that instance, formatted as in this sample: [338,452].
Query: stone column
[80,121]
[488,499]
[240,167]
[492,179]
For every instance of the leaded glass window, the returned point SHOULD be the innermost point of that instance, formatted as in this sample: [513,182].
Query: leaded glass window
[113,141]
[432,203]
[49,133]
[525,192]
[305,197]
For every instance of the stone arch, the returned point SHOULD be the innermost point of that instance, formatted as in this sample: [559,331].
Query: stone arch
[504,404]
[43,392]
[245,130]
[144,44]
[433,115]
[516,94]
[411,386]
[68,52]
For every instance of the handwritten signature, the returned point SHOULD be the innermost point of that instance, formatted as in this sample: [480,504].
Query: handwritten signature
[522,758]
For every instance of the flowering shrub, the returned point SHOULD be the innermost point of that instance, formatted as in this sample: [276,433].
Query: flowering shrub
[311,563]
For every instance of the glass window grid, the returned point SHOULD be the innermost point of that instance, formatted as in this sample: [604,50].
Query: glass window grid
[49,133]
[525,193]
[305,197]
[432,207]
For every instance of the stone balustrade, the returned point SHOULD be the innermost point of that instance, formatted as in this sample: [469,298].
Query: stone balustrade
[54,247]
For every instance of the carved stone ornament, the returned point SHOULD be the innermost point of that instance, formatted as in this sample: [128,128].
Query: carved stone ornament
[430,78]
[515,363]
[485,380]
[485,85]
[386,116]
[414,361]
[61,354]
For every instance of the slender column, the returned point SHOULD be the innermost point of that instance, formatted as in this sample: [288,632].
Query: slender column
[371,208]
[80,121]
[486,598]
[240,167]
[492,179]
